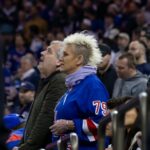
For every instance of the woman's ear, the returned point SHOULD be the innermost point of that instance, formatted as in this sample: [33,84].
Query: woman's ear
[80,60]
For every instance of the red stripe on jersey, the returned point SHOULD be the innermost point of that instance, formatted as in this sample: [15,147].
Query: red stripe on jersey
[14,137]
[92,128]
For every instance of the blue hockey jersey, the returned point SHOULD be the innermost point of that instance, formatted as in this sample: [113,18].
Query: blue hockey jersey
[85,104]
[14,138]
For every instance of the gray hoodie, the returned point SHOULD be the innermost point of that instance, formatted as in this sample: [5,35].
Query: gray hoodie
[131,86]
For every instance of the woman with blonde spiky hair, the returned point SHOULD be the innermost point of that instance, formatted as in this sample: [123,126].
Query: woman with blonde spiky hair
[84,104]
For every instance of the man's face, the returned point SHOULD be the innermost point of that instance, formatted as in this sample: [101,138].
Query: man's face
[26,96]
[122,68]
[135,49]
[122,43]
[25,65]
[105,62]
[130,117]
[19,40]
[48,60]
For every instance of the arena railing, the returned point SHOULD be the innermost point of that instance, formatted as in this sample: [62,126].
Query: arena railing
[117,117]
[61,144]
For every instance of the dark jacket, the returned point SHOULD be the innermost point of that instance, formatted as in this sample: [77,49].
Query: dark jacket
[42,112]
[108,78]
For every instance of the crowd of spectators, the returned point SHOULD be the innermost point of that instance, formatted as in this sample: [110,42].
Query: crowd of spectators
[28,26]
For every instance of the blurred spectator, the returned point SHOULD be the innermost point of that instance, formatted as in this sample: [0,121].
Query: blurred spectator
[27,6]
[147,12]
[34,21]
[106,69]
[36,43]
[15,123]
[130,9]
[10,90]
[138,50]
[15,54]
[60,36]
[131,123]
[50,37]
[136,33]
[72,20]
[8,79]
[8,14]
[140,19]
[109,25]
[145,37]
[43,10]
[59,14]
[26,97]
[115,9]
[28,71]
[123,40]
[21,21]
[130,82]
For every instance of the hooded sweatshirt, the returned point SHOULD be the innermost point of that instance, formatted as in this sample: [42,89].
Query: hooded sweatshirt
[130,87]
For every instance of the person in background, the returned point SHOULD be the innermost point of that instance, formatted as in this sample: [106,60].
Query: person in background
[131,123]
[26,97]
[123,42]
[15,123]
[28,71]
[15,54]
[51,88]
[138,50]
[130,81]
[84,104]
[106,69]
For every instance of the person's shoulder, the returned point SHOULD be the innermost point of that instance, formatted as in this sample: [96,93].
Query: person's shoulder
[92,77]
[92,80]
[59,75]
[57,78]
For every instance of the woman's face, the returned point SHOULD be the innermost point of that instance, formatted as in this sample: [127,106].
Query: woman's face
[130,117]
[70,61]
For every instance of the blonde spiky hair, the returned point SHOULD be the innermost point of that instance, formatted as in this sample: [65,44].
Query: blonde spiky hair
[89,43]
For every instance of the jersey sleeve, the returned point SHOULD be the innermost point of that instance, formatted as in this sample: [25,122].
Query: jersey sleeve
[13,140]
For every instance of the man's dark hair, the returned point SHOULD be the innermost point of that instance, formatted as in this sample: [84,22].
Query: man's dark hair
[117,101]
[130,58]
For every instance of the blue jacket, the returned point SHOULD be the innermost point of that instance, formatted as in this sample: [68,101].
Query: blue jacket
[85,104]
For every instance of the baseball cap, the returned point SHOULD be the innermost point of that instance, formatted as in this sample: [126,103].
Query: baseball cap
[105,49]
[12,120]
[27,86]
